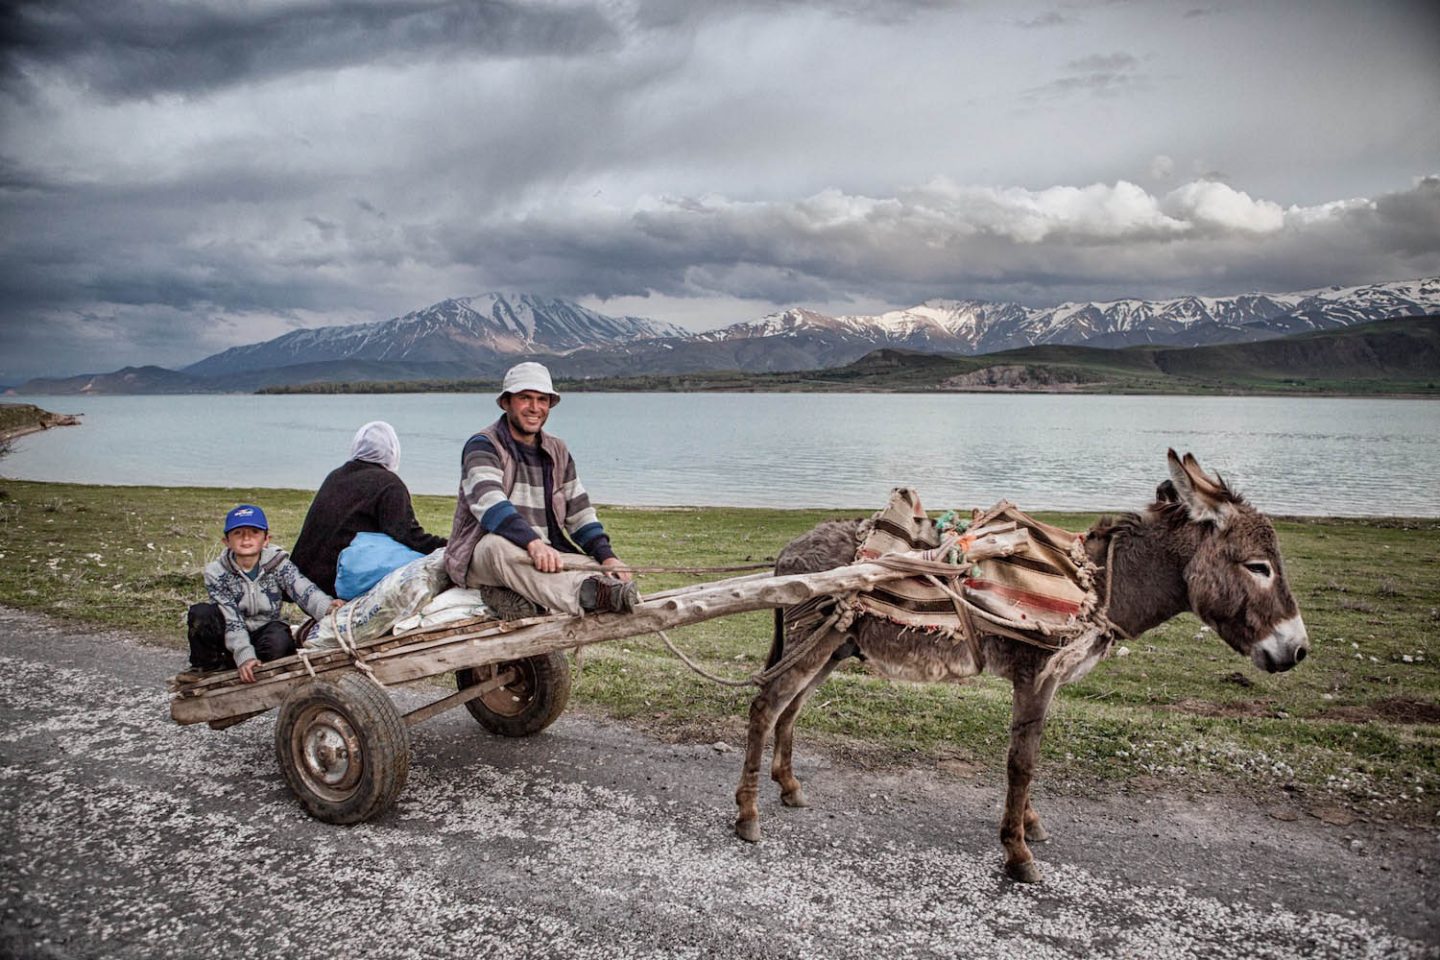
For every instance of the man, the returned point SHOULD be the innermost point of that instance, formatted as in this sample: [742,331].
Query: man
[519,499]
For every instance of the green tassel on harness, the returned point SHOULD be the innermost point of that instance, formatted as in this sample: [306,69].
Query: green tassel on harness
[950,522]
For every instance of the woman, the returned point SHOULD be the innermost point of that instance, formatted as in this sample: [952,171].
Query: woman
[362,495]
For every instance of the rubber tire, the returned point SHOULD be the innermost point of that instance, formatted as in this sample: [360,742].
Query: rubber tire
[376,732]
[536,700]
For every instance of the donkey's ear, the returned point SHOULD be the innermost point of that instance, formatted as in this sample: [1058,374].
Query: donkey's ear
[1204,498]
[1165,493]
[1214,486]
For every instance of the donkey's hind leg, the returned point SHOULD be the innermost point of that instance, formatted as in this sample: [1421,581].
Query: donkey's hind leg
[1035,831]
[769,703]
[1028,709]
[782,769]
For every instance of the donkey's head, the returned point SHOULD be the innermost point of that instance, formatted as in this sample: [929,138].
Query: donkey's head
[1234,577]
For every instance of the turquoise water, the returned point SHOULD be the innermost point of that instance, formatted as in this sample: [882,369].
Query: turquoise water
[1288,455]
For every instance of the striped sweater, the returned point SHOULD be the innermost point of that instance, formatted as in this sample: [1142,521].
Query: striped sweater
[510,488]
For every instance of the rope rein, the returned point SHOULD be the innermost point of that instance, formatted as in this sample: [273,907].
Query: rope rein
[844,614]
[1102,615]
[840,619]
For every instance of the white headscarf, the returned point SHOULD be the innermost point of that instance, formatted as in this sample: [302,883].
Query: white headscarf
[376,442]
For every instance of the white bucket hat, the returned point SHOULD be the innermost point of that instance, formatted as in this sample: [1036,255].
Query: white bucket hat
[528,376]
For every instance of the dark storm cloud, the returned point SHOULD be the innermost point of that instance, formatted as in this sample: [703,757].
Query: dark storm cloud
[162,196]
[943,240]
[1051,18]
[1408,223]
[15,177]
[327,228]
[1101,75]
[144,47]
[369,207]
[1104,63]
[129,245]
[673,13]
[939,239]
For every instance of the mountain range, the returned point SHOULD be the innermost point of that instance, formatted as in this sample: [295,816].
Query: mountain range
[480,336]
[469,330]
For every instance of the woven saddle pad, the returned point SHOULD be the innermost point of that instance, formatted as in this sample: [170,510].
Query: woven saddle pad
[1046,591]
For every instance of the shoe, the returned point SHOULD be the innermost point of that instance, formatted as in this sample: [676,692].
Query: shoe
[192,673]
[509,605]
[608,595]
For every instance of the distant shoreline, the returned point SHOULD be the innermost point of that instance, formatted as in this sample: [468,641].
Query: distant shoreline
[22,419]
[444,502]
[384,389]
[380,389]
[1399,357]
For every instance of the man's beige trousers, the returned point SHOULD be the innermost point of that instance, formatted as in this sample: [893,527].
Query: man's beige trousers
[497,562]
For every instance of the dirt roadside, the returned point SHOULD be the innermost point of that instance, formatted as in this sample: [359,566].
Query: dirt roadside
[123,835]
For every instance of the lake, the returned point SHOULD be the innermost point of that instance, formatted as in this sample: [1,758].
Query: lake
[1048,451]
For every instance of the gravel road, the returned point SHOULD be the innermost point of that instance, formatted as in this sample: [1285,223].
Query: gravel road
[124,835]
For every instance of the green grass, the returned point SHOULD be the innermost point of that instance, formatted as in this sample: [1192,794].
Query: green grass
[1179,712]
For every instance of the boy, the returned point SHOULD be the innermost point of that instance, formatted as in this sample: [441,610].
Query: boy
[241,626]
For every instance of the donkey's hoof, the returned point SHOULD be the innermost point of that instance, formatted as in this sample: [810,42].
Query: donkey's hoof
[748,830]
[794,798]
[1036,833]
[1026,872]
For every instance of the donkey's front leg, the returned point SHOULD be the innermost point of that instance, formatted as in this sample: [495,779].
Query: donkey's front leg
[1027,722]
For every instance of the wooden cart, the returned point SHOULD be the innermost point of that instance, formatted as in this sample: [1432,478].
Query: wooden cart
[344,747]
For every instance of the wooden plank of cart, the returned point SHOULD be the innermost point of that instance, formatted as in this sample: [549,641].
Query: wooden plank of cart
[343,745]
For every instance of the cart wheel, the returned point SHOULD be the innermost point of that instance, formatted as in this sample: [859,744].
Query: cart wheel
[526,705]
[343,748]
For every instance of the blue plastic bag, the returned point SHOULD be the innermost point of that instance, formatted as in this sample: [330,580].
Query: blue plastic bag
[366,561]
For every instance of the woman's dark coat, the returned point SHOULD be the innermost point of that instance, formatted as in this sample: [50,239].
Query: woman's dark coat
[357,496]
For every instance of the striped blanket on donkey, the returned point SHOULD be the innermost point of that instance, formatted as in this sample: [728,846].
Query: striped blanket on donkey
[1043,596]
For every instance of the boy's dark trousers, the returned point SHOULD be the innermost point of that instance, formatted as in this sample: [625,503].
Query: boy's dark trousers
[206,626]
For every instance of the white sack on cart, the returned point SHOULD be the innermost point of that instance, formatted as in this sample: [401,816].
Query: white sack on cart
[452,606]
[404,591]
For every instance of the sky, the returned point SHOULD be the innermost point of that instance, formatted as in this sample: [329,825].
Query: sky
[179,178]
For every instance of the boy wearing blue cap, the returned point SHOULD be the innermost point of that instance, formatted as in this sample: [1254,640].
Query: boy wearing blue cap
[241,626]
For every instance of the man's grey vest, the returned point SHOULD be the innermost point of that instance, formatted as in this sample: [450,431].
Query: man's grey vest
[465,529]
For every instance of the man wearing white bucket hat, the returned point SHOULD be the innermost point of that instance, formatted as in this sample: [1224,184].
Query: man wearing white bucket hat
[521,508]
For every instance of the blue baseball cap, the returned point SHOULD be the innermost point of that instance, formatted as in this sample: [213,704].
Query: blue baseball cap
[246,515]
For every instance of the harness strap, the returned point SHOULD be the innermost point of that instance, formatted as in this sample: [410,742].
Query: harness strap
[839,619]
[346,638]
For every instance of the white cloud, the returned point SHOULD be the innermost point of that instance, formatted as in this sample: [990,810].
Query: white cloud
[1206,203]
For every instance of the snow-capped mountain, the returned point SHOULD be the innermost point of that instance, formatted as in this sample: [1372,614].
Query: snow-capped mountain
[977,326]
[476,330]
[481,336]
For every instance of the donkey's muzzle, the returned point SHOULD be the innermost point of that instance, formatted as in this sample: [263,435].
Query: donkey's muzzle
[1287,645]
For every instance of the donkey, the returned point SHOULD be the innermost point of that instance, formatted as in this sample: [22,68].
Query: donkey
[1198,547]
